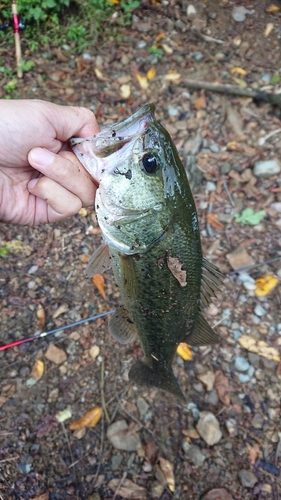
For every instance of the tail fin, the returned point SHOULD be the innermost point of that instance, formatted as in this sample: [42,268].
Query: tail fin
[143,374]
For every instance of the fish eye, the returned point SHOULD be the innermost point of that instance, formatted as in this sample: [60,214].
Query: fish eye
[149,163]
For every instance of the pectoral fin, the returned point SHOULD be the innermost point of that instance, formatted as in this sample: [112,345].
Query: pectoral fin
[211,282]
[99,262]
[202,333]
[121,328]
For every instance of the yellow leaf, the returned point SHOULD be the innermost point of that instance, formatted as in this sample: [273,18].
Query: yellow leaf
[167,469]
[63,415]
[172,76]
[260,347]
[273,8]
[41,315]
[238,70]
[160,36]
[151,74]
[98,73]
[37,369]
[98,281]
[83,212]
[94,351]
[240,82]
[265,284]
[125,90]
[115,2]
[268,29]
[90,419]
[184,351]
[143,83]
[167,48]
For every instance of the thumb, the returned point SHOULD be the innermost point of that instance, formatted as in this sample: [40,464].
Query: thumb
[70,121]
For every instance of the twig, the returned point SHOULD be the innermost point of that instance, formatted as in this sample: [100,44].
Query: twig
[102,393]
[274,99]
[9,459]
[228,193]
[132,417]
[120,484]
[263,140]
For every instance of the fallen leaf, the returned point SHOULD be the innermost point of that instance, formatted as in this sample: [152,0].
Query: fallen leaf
[167,48]
[239,259]
[151,452]
[200,102]
[234,146]
[151,73]
[63,415]
[125,90]
[175,267]
[45,426]
[37,369]
[99,74]
[184,351]
[160,35]
[90,419]
[98,281]
[83,212]
[94,351]
[273,8]
[253,452]
[236,69]
[217,494]
[43,496]
[250,217]
[124,437]
[127,489]
[172,76]
[55,354]
[268,29]
[222,386]
[41,315]
[63,308]
[265,284]
[143,83]
[212,219]
[167,469]
[260,347]
[235,121]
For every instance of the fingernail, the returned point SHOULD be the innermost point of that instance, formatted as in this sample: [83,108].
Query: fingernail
[32,183]
[41,156]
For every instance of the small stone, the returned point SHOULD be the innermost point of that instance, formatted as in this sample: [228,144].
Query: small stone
[239,13]
[254,359]
[31,285]
[247,478]
[194,410]
[32,269]
[116,461]
[210,186]
[94,351]
[259,310]
[214,148]
[55,354]
[243,378]
[236,334]
[266,168]
[257,421]
[217,494]
[198,56]
[191,11]
[241,364]
[245,277]
[231,426]
[209,428]
[71,348]
[193,453]
[266,78]
[212,397]
[172,111]
[122,440]
[251,371]
[143,407]
[141,44]
[249,286]
[208,379]
[271,413]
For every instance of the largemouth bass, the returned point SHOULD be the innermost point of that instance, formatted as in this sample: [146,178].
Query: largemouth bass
[148,219]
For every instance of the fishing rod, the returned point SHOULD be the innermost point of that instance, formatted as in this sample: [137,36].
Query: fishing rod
[50,332]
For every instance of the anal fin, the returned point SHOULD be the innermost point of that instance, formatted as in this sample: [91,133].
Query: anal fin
[121,328]
[99,262]
[201,334]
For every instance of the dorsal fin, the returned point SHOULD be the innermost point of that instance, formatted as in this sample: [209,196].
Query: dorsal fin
[99,262]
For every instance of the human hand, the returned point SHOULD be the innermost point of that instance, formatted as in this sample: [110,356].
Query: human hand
[41,180]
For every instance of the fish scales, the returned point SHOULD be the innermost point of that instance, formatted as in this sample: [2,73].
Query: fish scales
[148,218]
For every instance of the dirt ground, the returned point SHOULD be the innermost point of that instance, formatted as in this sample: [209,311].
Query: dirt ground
[43,284]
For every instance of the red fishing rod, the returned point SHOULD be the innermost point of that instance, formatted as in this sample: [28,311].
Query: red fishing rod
[17,37]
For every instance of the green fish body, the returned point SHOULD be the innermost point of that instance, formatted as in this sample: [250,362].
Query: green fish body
[148,219]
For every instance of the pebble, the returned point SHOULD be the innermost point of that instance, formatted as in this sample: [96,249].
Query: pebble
[266,78]
[247,478]
[251,371]
[214,148]
[172,111]
[239,13]
[122,440]
[191,11]
[141,44]
[208,379]
[143,407]
[249,286]
[32,269]
[254,359]
[245,277]
[194,410]
[31,284]
[271,413]
[193,453]
[198,56]
[236,334]
[116,461]
[212,397]
[209,428]
[210,186]
[243,378]
[266,168]
[241,364]
[231,426]
[257,421]
[259,310]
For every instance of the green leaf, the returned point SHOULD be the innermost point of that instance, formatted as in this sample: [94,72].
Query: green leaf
[275,79]
[248,216]
[4,251]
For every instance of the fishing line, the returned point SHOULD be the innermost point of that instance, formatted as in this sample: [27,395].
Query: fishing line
[50,332]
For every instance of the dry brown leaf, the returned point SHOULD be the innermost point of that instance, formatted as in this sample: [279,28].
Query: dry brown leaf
[167,469]
[37,369]
[43,496]
[268,29]
[128,489]
[239,259]
[143,83]
[98,281]
[222,386]
[63,308]
[90,419]
[200,102]
[175,267]
[273,8]
[151,451]
[217,494]
[212,219]
[253,453]
[41,315]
